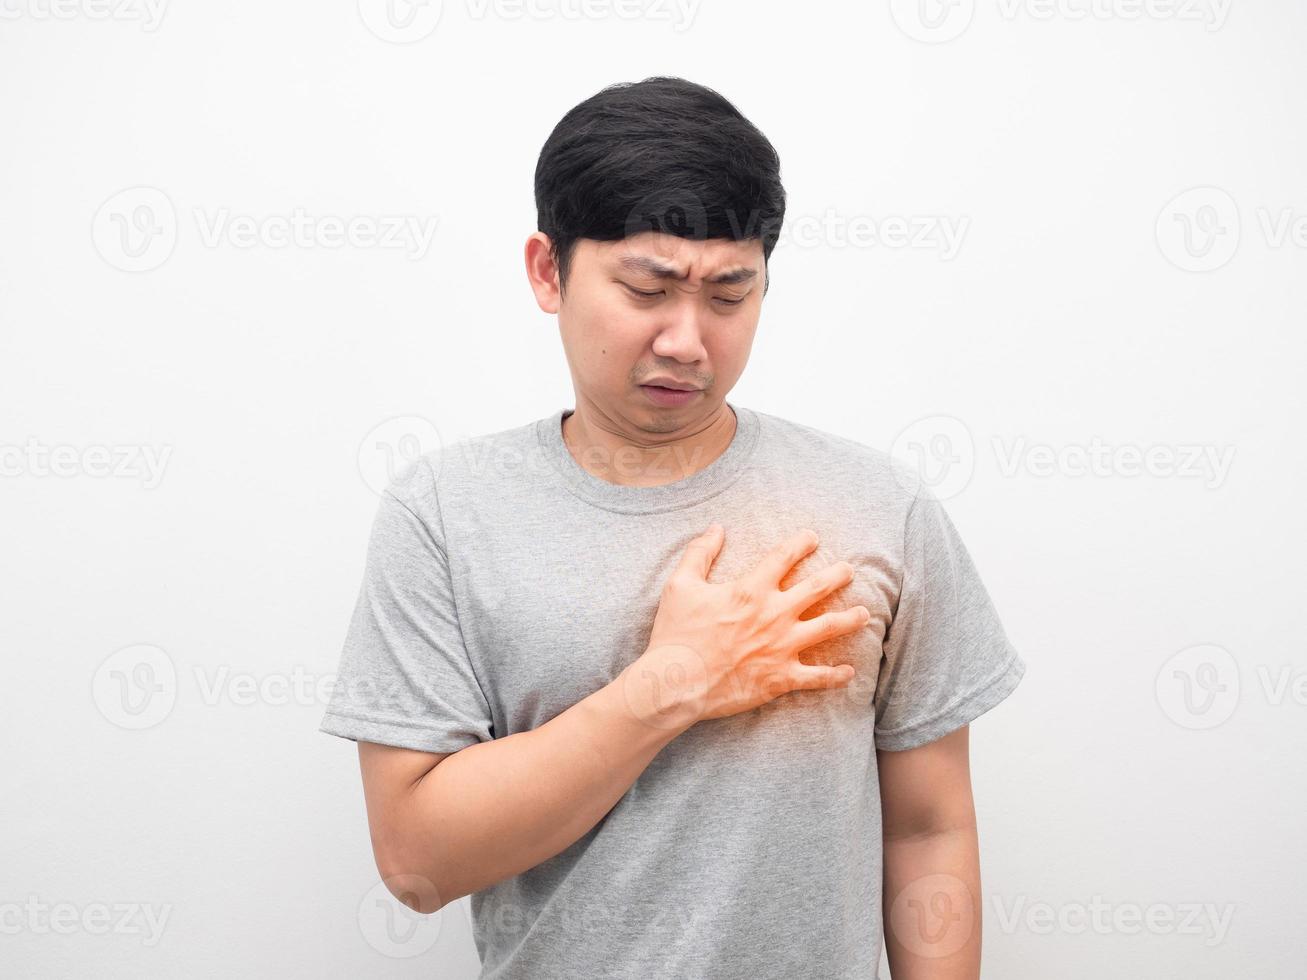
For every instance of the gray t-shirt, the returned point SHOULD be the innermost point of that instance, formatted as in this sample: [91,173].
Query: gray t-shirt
[504,583]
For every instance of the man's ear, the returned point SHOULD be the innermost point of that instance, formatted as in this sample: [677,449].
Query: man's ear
[542,272]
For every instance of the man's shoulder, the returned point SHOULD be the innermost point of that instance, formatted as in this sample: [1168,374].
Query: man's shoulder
[465,461]
[837,460]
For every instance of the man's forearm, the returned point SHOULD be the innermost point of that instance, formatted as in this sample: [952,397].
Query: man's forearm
[932,906]
[498,808]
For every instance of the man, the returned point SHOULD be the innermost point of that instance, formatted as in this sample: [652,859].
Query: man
[671,687]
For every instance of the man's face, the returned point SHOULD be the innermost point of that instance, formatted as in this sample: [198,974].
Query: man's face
[659,306]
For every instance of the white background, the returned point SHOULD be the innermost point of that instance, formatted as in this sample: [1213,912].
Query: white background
[1095,303]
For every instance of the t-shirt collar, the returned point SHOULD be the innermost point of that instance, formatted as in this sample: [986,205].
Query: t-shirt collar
[693,489]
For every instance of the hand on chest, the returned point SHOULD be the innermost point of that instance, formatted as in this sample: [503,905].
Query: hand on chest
[549,619]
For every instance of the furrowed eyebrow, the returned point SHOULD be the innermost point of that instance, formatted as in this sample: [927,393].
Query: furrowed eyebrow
[652,267]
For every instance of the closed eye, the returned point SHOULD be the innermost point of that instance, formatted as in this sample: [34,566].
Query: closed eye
[643,295]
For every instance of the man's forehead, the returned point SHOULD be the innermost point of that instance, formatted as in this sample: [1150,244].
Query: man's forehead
[716,260]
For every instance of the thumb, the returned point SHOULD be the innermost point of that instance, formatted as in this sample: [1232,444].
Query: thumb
[701,552]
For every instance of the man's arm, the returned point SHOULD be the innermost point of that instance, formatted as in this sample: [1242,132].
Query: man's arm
[931,894]
[444,826]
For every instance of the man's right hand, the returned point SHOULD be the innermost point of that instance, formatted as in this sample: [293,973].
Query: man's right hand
[718,650]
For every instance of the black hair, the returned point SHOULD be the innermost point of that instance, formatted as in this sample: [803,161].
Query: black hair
[663,154]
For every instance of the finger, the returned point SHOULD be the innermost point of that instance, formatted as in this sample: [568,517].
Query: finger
[777,562]
[808,632]
[808,591]
[700,553]
[816,677]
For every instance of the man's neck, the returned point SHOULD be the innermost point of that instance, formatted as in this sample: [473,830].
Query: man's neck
[637,458]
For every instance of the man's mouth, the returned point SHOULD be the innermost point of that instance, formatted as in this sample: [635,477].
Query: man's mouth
[670,397]
[671,384]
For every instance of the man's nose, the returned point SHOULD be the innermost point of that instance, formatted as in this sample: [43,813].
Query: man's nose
[681,336]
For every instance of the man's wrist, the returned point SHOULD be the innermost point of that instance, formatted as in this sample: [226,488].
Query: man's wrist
[663,689]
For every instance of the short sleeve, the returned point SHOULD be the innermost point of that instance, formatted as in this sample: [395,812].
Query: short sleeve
[946,657]
[405,678]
